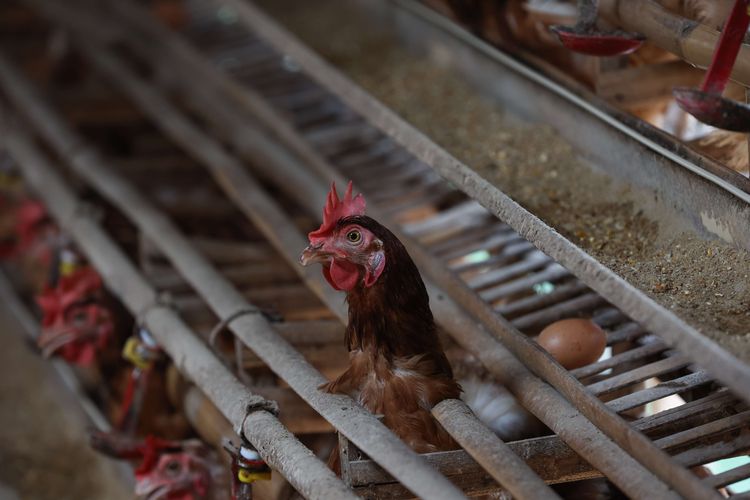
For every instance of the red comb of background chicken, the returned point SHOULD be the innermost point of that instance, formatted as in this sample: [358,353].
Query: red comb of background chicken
[336,209]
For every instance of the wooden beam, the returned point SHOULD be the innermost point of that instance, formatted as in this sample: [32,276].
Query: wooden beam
[547,456]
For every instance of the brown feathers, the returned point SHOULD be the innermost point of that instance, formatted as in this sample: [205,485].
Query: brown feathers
[403,392]
[729,148]
[397,366]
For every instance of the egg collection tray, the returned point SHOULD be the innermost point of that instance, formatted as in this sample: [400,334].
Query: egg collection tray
[157,133]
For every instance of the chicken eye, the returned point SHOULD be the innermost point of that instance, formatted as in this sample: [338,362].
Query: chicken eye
[354,236]
[173,467]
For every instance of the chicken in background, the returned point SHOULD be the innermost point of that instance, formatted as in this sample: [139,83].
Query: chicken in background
[167,469]
[519,24]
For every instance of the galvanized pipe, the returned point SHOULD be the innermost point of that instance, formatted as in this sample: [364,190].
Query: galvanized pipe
[356,423]
[276,444]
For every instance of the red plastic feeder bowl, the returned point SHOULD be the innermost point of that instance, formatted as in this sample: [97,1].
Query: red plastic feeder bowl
[713,109]
[597,43]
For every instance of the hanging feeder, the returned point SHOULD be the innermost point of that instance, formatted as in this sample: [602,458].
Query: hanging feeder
[586,39]
[706,103]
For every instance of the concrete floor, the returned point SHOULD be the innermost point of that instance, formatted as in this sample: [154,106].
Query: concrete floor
[44,452]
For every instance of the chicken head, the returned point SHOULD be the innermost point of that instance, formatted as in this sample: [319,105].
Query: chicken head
[350,253]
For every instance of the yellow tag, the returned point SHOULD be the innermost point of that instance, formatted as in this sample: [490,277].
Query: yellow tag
[67,268]
[250,477]
[9,181]
[130,352]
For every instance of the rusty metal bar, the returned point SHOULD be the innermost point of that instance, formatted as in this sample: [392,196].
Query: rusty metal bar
[728,477]
[604,454]
[342,412]
[714,451]
[276,444]
[638,374]
[627,333]
[721,402]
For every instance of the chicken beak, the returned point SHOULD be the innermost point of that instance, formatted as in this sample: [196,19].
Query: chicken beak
[313,253]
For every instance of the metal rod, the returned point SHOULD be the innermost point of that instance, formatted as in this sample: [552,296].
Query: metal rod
[544,454]
[342,412]
[276,444]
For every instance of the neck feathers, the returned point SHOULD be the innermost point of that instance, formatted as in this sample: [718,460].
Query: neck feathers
[392,316]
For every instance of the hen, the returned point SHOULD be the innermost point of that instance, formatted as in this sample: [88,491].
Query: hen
[397,365]
[398,368]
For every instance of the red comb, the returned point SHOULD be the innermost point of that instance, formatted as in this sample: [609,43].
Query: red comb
[336,209]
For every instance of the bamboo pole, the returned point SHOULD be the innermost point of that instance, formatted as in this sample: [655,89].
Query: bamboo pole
[275,443]
[690,40]
[449,314]
[351,419]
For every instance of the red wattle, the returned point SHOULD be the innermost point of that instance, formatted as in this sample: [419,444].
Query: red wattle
[327,276]
[342,275]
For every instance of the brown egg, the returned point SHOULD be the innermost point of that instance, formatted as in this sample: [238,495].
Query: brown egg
[573,342]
